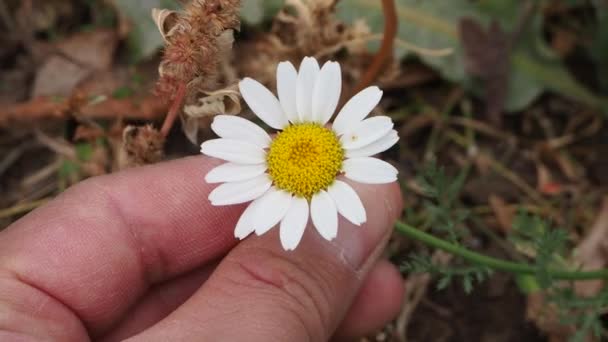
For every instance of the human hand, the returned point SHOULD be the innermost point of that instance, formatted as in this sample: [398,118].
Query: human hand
[143,254]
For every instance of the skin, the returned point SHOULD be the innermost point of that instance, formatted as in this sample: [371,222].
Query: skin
[142,255]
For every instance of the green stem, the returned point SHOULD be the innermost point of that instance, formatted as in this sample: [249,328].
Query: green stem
[497,264]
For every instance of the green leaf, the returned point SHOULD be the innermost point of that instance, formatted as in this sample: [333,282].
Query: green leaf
[428,24]
[444,282]
[144,38]
[527,283]
[84,151]
[252,11]
[68,168]
[123,92]
[467,284]
[434,25]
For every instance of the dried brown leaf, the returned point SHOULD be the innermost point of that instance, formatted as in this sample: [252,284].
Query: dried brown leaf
[592,252]
[545,183]
[73,60]
[504,213]
[223,101]
[165,20]
[545,317]
[487,56]
[58,77]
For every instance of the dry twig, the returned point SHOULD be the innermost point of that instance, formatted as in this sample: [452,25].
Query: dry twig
[386,49]
[45,108]
[174,110]
[21,208]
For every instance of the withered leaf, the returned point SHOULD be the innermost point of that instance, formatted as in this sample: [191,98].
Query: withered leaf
[165,20]
[487,56]
[223,101]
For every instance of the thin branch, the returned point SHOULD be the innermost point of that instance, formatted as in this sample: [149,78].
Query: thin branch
[44,108]
[174,110]
[386,49]
[21,208]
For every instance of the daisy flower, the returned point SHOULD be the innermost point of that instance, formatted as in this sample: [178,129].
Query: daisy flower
[294,175]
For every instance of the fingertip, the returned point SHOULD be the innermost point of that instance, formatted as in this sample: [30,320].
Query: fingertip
[378,302]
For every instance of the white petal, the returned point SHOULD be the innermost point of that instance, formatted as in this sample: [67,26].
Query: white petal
[263,103]
[294,223]
[369,170]
[271,210]
[326,92]
[348,202]
[234,127]
[240,192]
[233,172]
[324,215]
[287,78]
[245,225]
[234,151]
[307,77]
[376,147]
[357,108]
[366,132]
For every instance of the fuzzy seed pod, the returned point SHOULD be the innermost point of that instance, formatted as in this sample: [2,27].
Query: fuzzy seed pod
[195,38]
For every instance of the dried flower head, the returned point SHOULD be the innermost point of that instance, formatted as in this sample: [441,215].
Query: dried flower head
[143,145]
[196,38]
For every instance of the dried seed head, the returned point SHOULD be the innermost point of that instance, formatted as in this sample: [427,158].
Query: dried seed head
[142,145]
[195,41]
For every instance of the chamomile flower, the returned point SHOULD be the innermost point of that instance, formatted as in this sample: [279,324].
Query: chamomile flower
[294,176]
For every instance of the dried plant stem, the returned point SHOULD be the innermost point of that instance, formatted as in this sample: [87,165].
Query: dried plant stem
[174,110]
[21,208]
[494,263]
[47,108]
[386,49]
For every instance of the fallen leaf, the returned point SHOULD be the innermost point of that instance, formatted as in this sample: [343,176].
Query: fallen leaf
[545,317]
[223,101]
[504,213]
[94,49]
[143,38]
[58,77]
[75,58]
[487,57]
[544,181]
[592,252]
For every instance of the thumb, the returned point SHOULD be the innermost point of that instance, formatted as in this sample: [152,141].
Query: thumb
[260,292]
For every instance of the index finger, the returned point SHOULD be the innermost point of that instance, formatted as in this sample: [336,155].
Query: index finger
[101,244]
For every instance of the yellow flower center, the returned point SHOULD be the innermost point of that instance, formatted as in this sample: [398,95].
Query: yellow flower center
[304,159]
